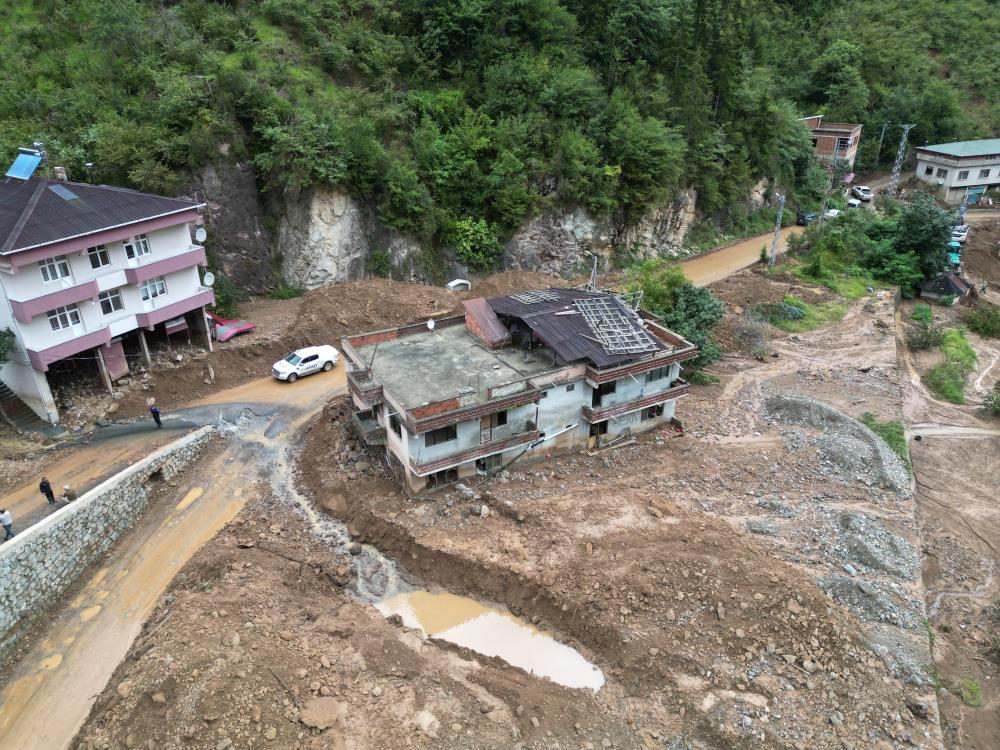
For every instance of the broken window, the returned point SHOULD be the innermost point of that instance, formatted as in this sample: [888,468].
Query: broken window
[395,424]
[652,412]
[441,435]
[601,391]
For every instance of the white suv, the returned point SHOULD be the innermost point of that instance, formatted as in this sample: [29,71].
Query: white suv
[305,361]
[862,191]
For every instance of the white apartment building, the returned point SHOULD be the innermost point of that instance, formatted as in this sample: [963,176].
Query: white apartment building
[86,269]
[955,169]
[515,377]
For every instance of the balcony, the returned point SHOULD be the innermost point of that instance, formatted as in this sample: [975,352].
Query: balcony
[366,390]
[157,311]
[423,468]
[25,310]
[41,358]
[369,429]
[593,415]
[194,256]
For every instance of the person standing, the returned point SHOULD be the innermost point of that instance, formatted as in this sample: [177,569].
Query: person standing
[8,523]
[46,489]
[156,416]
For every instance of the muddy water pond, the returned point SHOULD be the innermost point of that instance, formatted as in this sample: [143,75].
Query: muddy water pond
[492,632]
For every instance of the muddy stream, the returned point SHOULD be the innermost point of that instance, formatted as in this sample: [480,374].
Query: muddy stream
[463,621]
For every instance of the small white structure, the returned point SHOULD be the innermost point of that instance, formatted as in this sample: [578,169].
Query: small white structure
[459,285]
[956,168]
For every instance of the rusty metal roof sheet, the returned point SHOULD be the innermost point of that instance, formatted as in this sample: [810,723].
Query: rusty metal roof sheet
[488,326]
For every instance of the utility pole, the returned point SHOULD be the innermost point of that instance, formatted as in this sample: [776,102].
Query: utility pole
[881,136]
[897,166]
[773,256]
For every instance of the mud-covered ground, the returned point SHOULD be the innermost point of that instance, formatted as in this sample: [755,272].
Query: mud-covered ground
[755,583]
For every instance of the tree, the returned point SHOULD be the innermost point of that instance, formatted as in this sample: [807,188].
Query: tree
[836,82]
[7,341]
[475,243]
[924,229]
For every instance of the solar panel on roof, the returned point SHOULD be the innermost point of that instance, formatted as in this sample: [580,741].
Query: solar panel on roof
[64,192]
[24,166]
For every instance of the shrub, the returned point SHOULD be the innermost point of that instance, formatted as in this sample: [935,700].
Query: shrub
[992,403]
[946,380]
[380,263]
[227,296]
[813,316]
[773,311]
[476,245]
[924,336]
[984,320]
[752,336]
[971,692]
[700,378]
[7,340]
[287,292]
[922,314]
[892,432]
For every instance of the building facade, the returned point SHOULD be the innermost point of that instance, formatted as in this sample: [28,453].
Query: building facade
[955,169]
[514,377]
[85,268]
[834,141]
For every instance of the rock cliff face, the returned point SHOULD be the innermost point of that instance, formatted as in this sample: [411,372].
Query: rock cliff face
[562,243]
[237,235]
[325,236]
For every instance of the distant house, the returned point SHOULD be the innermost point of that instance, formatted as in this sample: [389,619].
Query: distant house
[514,377]
[956,168]
[947,286]
[834,141]
[86,272]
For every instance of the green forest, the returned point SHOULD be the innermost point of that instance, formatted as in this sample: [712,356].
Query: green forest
[455,120]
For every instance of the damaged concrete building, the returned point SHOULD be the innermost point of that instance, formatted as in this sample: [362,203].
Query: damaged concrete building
[516,376]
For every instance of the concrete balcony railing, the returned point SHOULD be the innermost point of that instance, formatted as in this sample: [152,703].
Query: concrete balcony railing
[25,310]
[194,256]
[366,390]
[593,415]
[160,309]
[369,429]
[423,468]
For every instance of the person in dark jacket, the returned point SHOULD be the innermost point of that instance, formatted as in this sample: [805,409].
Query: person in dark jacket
[8,524]
[46,489]
[156,416]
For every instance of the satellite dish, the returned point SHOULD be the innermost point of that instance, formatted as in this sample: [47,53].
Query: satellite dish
[200,234]
[209,279]
[430,325]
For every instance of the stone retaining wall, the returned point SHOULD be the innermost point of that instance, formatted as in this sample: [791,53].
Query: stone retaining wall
[40,564]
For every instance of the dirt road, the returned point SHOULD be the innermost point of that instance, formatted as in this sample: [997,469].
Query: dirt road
[52,688]
[718,264]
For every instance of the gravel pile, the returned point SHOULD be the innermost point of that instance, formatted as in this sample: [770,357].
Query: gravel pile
[848,446]
[873,602]
[865,541]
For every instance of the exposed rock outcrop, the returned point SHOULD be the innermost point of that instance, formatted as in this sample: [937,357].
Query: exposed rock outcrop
[562,243]
[325,236]
[237,235]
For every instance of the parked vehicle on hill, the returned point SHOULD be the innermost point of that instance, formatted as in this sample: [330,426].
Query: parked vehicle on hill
[805,218]
[862,192]
[960,233]
[854,203]
[305,361]
[832,213]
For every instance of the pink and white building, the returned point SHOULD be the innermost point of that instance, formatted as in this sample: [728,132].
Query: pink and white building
[86,269]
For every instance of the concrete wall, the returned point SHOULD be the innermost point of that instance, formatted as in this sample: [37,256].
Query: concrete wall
[40,564]
[31,386]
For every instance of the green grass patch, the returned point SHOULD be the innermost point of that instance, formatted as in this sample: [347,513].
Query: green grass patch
[700,378]
[957,349]
[848,286]
[971,692]
[814,316]
[946,380]
[287,292]
[922,314]
[892,432]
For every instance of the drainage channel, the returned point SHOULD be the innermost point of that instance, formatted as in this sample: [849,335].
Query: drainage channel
[380,582]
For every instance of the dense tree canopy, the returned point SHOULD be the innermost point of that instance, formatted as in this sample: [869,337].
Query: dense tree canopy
[443,115]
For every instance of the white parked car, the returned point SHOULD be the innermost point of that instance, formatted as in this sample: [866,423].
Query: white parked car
[862,192]
[305,361]
[854,203]
[832,213]
[960,233]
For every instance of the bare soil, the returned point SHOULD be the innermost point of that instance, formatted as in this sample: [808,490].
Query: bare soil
[689,569]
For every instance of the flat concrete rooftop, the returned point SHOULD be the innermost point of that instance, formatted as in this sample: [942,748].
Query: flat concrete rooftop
[426,367]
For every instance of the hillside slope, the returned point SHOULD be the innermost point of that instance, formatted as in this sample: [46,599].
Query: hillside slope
[454,121]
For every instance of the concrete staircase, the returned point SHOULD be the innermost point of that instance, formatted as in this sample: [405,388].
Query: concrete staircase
[19,415]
